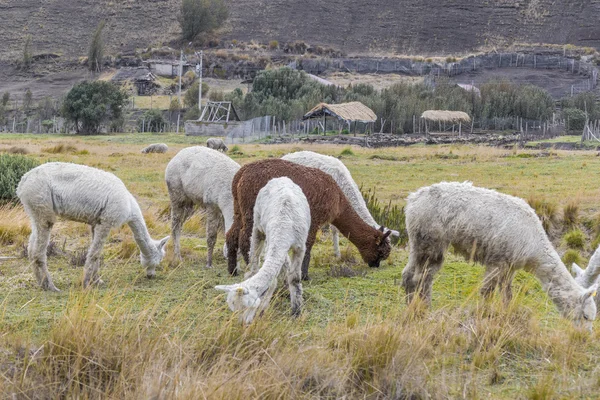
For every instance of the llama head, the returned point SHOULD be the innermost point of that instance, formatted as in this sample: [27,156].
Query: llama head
[243,300]
[380,250]
[583,312]
[156,256]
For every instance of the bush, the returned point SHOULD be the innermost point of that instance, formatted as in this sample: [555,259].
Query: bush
[389,216]
[151,121]
[273,44]
[201,16]
[192,114]
[13,167]
[575,239]
[90,106]
[574,118]
[347,152]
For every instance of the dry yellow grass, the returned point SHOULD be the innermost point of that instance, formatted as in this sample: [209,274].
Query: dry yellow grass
[174,337]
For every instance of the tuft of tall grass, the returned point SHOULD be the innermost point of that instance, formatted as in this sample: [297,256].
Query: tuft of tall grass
[14,229]
[17,150]
[570,215]
[574,239]
[545,210]
[60,149]
[390,216]
[572,256]
[347,152]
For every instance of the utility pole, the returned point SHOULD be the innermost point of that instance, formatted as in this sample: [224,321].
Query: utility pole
[200,86]
[179,92]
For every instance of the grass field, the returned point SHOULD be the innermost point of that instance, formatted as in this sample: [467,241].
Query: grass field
[174,337]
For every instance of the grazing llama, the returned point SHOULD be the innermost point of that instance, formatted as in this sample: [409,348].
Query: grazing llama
[499,231]
[343,178]
[216,144]
[199,176]
[281,225]
[83,194]
[327,202]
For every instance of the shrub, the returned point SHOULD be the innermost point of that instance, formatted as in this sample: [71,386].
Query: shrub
[574,118]
[390,216]
[201,16]
[13,167]
[191,96]
[216,95]
[151,121]
[60,149]
[273,44]
[574,239]
[571,256]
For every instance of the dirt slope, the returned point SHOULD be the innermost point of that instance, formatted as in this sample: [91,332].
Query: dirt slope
[386,26]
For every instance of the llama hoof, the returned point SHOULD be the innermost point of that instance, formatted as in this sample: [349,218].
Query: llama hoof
[208,266]
[52,288]
[306,278]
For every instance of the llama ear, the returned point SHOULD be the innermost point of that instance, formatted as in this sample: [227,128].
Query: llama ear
[226,288]
[381,228]
[577,270]
[589,292]
[385,235]
[163,242]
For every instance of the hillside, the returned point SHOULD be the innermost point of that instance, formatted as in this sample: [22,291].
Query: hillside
[428,26]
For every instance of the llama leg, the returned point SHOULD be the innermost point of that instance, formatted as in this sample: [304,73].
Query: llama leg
[180,212]
[335,235]
[506,285]
[232,241]
[257,244]
[38,246]
[310,241]
[94,256]
[418,274]
[491,280]
[245,235]
[294,276]
[213,218]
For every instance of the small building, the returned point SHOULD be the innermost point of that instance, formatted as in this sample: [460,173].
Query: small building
[218,118]
[444,117]
[168,68]
[347,113]
[140,77]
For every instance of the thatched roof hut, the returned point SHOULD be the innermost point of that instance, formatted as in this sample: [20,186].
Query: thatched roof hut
[444,117]
[452,117]
[353,111]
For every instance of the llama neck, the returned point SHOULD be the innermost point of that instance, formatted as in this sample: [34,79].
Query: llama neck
[352,226]
[359,205]
[558,283]
[592,271]
[274,260]
[140,232]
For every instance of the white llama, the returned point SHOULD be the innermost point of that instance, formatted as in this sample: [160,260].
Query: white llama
[216,144]
[83,194]
[497,230]
[199,176]
[281,224]
[343,178]
[589,277]
[155,148]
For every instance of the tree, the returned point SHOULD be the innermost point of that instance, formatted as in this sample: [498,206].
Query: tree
[27,101]
[27,58]
[92,105]
[191,96]
[151,121]
[96,51]
[5,98]
[201,16]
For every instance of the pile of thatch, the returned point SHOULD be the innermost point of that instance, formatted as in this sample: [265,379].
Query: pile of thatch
[453,117]
[353,111]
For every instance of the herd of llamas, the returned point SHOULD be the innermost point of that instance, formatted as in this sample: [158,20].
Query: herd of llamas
[272,209]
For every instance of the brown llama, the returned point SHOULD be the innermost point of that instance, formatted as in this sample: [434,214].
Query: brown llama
[327,202]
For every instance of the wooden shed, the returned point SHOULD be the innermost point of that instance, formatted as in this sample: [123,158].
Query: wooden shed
[346,112]
[444,117]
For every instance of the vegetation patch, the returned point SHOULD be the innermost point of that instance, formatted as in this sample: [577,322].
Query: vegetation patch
[13,167]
